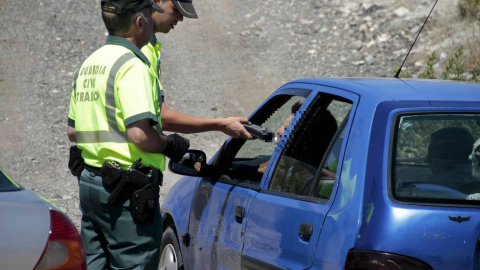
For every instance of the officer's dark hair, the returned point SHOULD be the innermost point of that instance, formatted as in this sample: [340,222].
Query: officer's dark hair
[118,24]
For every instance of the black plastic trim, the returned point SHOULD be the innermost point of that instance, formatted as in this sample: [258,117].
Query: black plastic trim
[250,263]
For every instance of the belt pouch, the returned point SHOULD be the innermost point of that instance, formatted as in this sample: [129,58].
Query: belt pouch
[75,161]
[111,173]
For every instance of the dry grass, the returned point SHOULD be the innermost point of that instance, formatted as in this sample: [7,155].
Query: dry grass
[469,9]
[473,52]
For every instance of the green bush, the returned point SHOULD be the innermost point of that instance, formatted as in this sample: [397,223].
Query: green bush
[429,73]
[455,68]
[475,74]
[405,73]
[469,9]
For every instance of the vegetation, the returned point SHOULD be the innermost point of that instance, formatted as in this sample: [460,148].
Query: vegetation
[405,73]
[455,68]
[429,73]
[464,64]
[469,9]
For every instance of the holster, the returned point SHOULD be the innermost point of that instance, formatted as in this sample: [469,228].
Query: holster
[142,183]
[76,163]
[144,201]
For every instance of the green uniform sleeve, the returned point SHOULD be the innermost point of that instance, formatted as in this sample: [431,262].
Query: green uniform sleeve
[135,93]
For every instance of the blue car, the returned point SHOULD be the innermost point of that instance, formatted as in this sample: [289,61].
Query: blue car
[358,174]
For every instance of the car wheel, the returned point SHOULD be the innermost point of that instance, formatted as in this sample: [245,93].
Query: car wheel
[171,256]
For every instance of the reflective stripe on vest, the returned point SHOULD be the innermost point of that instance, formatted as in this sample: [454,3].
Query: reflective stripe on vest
[113,134]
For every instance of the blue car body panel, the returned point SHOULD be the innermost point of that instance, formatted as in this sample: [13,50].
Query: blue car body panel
[177,205]
[423,232]
[360,214]
[215,226]
[274,221]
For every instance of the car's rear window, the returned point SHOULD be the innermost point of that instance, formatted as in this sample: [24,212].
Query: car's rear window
[6,184]
[435,158]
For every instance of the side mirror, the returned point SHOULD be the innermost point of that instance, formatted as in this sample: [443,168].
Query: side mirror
[193,163]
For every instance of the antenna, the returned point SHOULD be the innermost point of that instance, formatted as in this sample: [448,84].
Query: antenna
[400,69]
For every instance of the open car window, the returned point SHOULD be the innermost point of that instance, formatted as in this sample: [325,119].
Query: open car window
[249,159]
[313,149]
[435,158]
[329,168]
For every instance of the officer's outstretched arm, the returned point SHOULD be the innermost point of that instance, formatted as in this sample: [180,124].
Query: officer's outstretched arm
[145,137]
[176,121]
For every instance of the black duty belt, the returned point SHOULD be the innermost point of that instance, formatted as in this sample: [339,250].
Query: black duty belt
[95,170]
[140,184]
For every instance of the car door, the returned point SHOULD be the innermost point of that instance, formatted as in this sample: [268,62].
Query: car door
[286,216]
[217,218]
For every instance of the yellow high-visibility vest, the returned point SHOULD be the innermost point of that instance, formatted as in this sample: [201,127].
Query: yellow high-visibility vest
[113,88]
[152,51]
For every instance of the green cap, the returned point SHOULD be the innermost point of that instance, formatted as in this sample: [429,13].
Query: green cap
[128,6]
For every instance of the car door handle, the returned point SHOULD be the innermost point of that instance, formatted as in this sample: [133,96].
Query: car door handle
[239,213]
[305,230]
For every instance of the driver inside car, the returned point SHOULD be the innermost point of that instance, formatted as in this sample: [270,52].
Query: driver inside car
[448,158]
[303,162]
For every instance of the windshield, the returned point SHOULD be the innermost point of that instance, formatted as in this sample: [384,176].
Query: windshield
[6,184]
[436,158]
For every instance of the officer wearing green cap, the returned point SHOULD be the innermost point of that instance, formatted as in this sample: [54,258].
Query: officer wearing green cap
[115,120]
[173,12]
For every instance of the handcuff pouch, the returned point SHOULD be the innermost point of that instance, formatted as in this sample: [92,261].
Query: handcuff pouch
[76,163]
[111,173]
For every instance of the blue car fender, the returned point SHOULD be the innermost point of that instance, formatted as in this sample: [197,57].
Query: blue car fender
[177,204]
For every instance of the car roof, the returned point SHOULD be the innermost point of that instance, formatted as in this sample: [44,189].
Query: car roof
[391,89]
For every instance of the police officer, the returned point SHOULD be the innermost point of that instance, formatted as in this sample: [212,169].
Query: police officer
[115,117]
[174,11]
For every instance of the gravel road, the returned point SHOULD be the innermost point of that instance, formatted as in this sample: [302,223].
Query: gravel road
[223,64]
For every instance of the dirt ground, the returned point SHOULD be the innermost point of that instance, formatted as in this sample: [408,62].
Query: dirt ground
[223,64]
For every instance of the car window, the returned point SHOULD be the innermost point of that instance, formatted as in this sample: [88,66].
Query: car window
[435,158]
[251,160]
[6,184]
[330,166]
[313,137]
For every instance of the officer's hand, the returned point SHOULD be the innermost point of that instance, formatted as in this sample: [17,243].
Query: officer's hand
[233,126]
[176,147]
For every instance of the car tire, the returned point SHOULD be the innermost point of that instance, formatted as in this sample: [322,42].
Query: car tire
[170,253]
